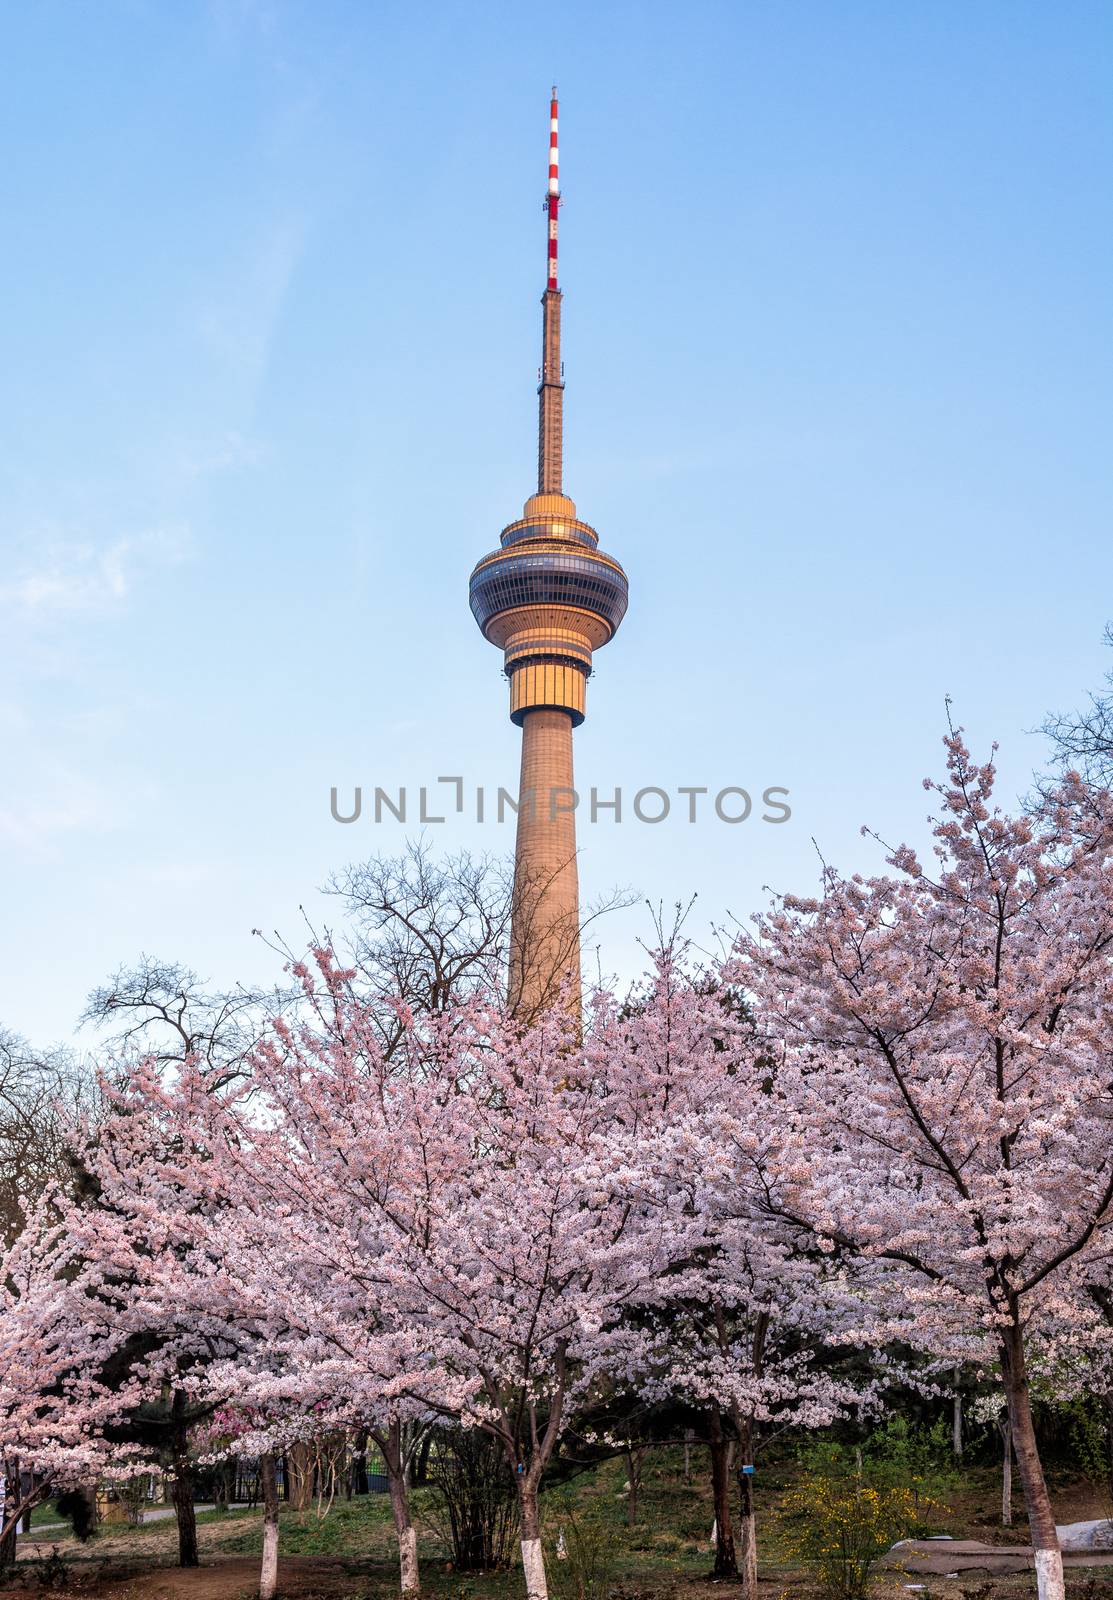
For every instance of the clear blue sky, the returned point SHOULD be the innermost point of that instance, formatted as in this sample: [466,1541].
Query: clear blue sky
[837,338]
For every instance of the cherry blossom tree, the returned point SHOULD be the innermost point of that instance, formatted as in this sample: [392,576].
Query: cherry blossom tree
[752,1353]
[941,1041]
[742,1330]
[56,1335]
[452,1224]
[143,1195]
[231,1287]
[520,1200]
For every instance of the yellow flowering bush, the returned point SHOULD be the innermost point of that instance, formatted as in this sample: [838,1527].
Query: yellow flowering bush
[839,1527]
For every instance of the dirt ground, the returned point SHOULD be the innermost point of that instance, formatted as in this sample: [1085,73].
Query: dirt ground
[115,1574]
[116,1569]
[220,1578]
[332,1578]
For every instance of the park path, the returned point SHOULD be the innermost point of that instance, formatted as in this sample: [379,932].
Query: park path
[943,1558]
[158,1514]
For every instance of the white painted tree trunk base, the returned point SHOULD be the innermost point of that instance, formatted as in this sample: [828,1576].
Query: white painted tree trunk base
[748,1562]
[1049,1575]
[407,1561]
[533,1565]
[268,1575]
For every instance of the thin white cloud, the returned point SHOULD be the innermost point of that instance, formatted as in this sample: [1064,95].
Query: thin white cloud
[238,323]
[179,875]
[228,453]
[63,801]
[68,577]
[235,22]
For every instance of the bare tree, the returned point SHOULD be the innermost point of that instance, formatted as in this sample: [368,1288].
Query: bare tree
[162,1010]
[1084,739]
[39,1091]
[428,930]
[431,930]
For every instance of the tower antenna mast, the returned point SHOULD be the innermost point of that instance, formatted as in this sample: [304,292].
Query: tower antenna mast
[550,391]
[553,196]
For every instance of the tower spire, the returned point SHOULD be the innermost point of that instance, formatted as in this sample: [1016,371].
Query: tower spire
[553,197]
[550,391]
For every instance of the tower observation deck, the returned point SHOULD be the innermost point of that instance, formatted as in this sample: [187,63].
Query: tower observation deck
[548,598]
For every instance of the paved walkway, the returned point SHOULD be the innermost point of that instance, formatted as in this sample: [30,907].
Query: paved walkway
[156,1514]
[944,1558]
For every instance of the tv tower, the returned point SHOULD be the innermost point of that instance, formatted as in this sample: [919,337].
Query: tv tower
[549,598]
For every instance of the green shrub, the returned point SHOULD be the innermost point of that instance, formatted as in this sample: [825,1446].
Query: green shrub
[1090,1444]
[917,1458]
[581,1557]
[898,1455]
[51,1572]
[132,1496]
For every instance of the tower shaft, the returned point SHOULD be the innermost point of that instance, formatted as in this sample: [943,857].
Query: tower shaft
[545,923]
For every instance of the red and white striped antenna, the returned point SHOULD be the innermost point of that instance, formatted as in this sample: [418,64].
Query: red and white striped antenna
[554,189]
[550,422]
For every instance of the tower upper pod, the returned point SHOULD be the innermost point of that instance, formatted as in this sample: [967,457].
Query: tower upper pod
[549,597]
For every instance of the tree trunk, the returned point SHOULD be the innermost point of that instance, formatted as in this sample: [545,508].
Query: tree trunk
[27,1490]
[533,1557]
[181,1493]
[634,1461]
[747,1515]
[181,1484]
[421,1471]
[1041,1518]
[396,1458]
[299,1471]
[9,1494]
[689,1435]
[359,1466]
[411,1433]
[12,1511]
[1004,1427]
[956,1419]
[268,1575]
[726,1561]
